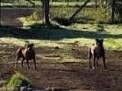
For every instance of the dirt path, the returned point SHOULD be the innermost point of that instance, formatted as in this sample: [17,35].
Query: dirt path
[56,71]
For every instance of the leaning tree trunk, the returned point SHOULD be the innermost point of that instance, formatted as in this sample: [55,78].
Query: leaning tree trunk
[45,6]
[73,16]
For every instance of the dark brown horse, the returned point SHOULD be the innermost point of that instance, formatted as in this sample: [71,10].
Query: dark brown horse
[26,53]
[96,52]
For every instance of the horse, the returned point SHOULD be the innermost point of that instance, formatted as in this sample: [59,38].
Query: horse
[96,52]
[27,53]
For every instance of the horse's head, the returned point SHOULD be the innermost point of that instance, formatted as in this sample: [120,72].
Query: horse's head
[30,46]
[99,42]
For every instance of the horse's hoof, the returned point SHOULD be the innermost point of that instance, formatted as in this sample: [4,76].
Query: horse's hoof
[93,68]
[105,67]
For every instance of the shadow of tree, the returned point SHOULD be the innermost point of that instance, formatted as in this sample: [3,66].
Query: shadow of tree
[41,31]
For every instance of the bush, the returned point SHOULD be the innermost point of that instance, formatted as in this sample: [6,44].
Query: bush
[35,16]
[17,80]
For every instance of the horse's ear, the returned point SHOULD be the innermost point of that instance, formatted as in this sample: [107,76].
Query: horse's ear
[97,39]
[32,44]
[102,40]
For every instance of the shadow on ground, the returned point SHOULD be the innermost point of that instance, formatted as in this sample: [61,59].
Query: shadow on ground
[40,31]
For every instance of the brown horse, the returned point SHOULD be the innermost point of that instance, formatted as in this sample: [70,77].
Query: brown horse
[26,53]
[96,52]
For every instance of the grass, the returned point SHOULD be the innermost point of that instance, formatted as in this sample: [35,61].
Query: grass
[87,15]
[112,43]
[32,19]
[84,33]
[17,80]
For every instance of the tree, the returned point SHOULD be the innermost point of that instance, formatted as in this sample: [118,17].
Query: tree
[113,11]
[46,9]
[118,10]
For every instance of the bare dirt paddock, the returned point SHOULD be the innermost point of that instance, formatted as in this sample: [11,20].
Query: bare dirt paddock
[55,71]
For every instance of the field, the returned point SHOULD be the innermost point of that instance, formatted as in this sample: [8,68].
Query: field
[62,69]
[66,69]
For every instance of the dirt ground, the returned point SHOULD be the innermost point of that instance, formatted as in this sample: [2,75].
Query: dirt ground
[66,69]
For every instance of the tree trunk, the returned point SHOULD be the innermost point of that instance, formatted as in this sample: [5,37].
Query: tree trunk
[73,16]
[96,4]
[113,11]
[45,6]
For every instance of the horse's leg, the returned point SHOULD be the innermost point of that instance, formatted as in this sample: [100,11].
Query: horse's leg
[94,59]
[104,63]
[90,56]
[17,59]
[97,61]
[22,61]
[27,61]
[34,62]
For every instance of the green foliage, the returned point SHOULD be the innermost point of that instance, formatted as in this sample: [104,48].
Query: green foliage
[33,17]
[113,44]
[95,15]
[17,80]
[101,16]
[119,10]
[87,15]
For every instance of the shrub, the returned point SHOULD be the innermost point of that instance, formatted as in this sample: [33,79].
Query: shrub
[17,80]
